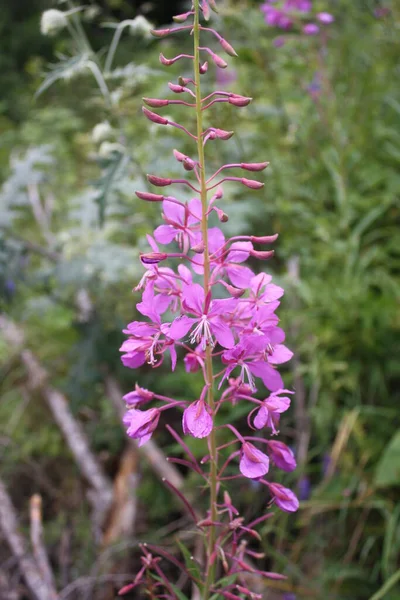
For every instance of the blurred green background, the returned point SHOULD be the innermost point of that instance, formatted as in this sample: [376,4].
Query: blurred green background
[326,114]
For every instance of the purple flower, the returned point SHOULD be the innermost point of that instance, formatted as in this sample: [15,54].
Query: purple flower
[179,218]
[311,29]
[284,498]
[197,420]
[209,318]
[138,396]
[326,18]
[270,410]
[253,462]
[282,456]
[141,424]
[304,488]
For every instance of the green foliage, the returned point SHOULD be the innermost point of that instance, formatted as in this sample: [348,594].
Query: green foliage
[331,193]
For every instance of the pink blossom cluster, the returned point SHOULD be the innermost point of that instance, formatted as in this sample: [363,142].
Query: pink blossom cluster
[234,316]
[288,14]
[203,303]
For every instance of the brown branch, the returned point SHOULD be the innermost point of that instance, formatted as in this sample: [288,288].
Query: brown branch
[101,493]
[38,546]
[39,588]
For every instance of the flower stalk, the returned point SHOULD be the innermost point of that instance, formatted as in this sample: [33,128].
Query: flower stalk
[225,324]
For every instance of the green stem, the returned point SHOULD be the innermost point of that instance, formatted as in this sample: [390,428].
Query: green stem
[210,573]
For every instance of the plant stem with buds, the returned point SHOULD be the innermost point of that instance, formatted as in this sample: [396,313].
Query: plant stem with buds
[208,360]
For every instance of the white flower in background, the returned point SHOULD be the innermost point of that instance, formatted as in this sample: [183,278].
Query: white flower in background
[102,131]
[52,21]
[107,148]
[141,26]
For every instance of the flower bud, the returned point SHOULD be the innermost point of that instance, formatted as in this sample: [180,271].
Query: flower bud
[252,184]
[235,292]
[167,62]
[138,396]
[227,47]
[223,217]
[177,89]
[52,21]
[262,255]
[154,117]
[198,248]
[206,10]
[156,103]
[264,239]
[239,101]
[222,134]
[182,17]
[149,197]
[212,5]
[254,166]
[160,33]
[153,258]
[158,181]
[203,68]
[220,62]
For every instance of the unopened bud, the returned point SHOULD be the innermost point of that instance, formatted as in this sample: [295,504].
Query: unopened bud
[155,102]
[239,101]
[177,89]
[222,216]
[222,134]
[183,81]
[227,47]
[188,163]
[264,239]
[206,10]
[252,184]
[198,248]
[149,197]
[154,117]
[235,292]
[203,68]
[160,33]
[212,5]
[159,181]
[220,62]
[153,258]
[261,254]
[254,166]
[182,17]
[167,62]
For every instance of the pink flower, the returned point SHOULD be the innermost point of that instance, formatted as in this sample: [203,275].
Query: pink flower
[325,18]
[270,410]
[253,462]
[138,396]
[311,29]
[179,218]
[197,420]
[283,497]
[209,319]
[282,456]
[141,424]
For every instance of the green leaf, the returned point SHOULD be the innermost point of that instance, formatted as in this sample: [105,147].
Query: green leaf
[191,564]
[388,469]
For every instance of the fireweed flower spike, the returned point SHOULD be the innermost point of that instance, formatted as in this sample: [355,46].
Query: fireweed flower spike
[234,340]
